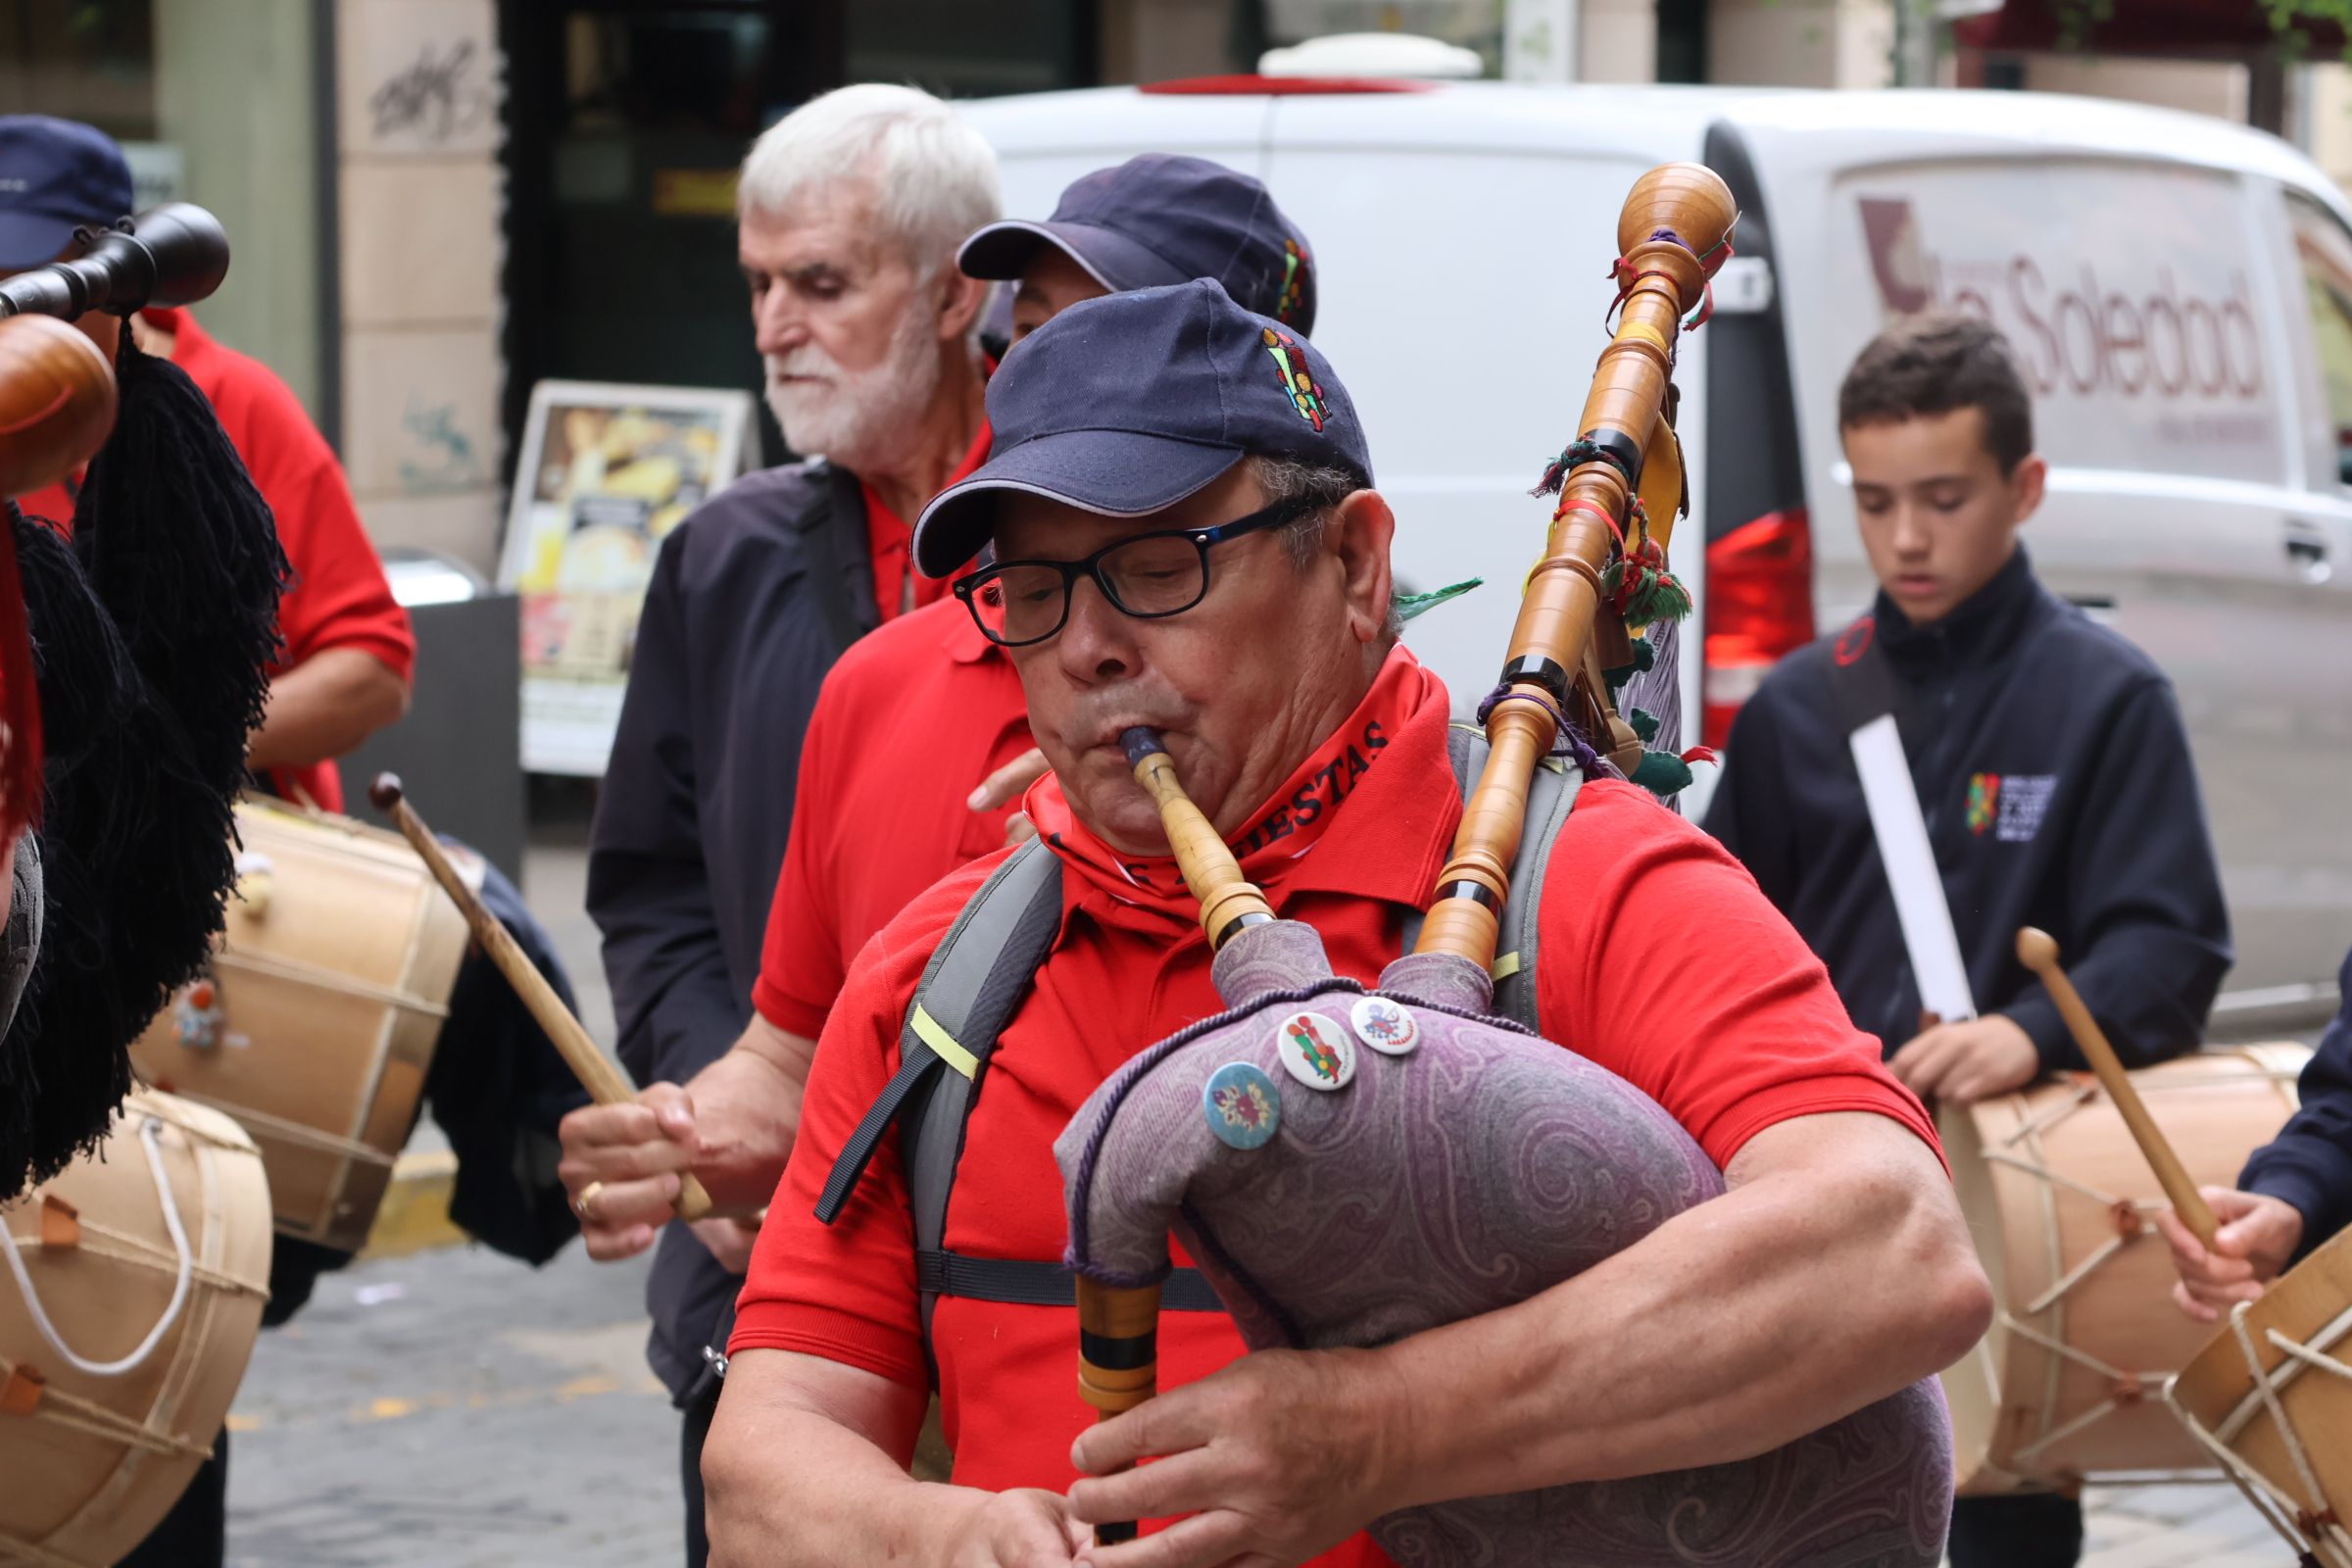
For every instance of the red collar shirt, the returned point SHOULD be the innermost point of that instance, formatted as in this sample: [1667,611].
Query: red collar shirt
[1661,962]
[911,718]
[338,596]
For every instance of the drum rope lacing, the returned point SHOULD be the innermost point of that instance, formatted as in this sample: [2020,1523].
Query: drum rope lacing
[319,977]
[2315,1525]
[150,1139]
[302,1135]
[2126,1388]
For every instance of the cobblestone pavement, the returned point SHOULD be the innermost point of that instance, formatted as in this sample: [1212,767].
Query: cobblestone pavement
[457,1409]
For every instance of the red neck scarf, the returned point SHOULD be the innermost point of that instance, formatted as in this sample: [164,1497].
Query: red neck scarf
[1279,833]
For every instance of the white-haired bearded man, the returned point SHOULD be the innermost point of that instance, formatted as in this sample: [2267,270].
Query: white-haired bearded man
[849,212]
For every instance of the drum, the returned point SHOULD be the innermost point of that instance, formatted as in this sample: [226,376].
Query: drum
[317,1022]
[2269,1399]
[128,1306]
[2058,1198]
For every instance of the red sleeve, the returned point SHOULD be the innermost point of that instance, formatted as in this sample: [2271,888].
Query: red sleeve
[1664,964]
[338,597]
[846,1291]
[801,967]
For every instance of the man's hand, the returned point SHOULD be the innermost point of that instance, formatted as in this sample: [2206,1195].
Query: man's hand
[1025,1529]
[633,1156]
[1276,1458]
[1961,1063]
[2256,1237]
[1008,783]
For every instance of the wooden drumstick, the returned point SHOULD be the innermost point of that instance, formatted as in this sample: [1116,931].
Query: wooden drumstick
[2037,950]
[604,1082]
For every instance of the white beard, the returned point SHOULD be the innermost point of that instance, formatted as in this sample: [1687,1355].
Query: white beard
[861,419]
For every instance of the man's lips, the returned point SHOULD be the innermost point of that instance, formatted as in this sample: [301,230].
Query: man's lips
[1916,585]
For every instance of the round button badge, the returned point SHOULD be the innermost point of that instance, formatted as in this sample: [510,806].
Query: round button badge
[1242,1106]
[1314,1051]
[1387,1027]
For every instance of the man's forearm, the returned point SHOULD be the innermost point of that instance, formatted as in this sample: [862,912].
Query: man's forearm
[1792,1302]
[325,706]
[788,1485]
[747,1107]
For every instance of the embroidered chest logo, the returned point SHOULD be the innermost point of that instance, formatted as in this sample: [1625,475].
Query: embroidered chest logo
[2009,805]
[1297,379]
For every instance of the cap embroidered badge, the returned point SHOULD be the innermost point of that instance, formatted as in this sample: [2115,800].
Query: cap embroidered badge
[1297,379]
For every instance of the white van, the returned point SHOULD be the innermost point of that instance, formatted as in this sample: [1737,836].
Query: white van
[2179,290]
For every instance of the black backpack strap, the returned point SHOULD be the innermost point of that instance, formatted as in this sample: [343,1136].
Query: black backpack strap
[1551,795]
[967,991]
[1027,1284]
[840,562]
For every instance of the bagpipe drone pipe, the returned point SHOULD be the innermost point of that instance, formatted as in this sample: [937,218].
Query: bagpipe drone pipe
[133,647]
[1462,1165]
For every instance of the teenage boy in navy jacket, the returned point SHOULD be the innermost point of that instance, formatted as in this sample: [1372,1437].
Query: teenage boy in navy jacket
[2050,764]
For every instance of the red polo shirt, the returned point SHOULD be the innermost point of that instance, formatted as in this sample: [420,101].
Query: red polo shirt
[908,720]
[337,597]
[1662,962]
[890,540]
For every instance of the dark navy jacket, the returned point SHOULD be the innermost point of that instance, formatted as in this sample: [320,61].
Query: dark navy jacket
[753,598]
[2054,774]
[2309,1163]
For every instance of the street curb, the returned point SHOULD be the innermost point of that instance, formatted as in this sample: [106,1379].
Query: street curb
[415,1217]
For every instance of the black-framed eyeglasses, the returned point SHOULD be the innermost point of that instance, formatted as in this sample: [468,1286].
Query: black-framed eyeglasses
[1150,576]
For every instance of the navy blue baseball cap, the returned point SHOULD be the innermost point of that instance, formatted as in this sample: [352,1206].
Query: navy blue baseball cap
[1128,404]
[55,175]
[1163,219]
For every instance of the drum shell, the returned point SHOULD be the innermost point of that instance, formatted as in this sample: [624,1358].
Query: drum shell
[2312,1305]
[89,1499]
[2012,1396]
[334,979]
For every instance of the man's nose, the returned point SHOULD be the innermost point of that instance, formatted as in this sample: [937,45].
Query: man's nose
[777,324]
[1098,642]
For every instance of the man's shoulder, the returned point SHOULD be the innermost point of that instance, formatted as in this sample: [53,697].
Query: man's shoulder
[905,646]
[776,504]
[887,971]
[2089,655]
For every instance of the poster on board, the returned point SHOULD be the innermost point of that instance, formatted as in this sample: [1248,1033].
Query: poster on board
[608,471]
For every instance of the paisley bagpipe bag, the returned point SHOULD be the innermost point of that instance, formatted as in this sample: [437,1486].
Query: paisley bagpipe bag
[1454,1164]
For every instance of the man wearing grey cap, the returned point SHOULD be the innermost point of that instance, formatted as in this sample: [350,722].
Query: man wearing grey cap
[1185,536]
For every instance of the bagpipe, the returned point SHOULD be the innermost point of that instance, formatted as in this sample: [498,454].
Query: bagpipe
[134,639]
[1349,1165]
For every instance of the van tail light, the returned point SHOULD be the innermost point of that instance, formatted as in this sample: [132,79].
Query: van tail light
[1759,606]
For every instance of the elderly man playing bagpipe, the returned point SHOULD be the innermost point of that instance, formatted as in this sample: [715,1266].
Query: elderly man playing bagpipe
[1179,498]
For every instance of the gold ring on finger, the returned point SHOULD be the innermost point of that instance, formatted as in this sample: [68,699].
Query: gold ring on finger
[584,1205]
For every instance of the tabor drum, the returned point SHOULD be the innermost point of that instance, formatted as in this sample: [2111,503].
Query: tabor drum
[128,1306]
[2270,1397]
[317,1022]
[2058,1198]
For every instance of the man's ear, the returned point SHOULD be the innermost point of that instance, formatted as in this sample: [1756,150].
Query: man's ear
[1363,529]
[961,300]
[2028,482]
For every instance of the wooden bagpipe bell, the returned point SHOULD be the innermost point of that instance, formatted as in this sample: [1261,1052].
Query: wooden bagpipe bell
[1349,1165]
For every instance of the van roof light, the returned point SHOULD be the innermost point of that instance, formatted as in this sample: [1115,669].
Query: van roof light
[1374,53]
[1249,86]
